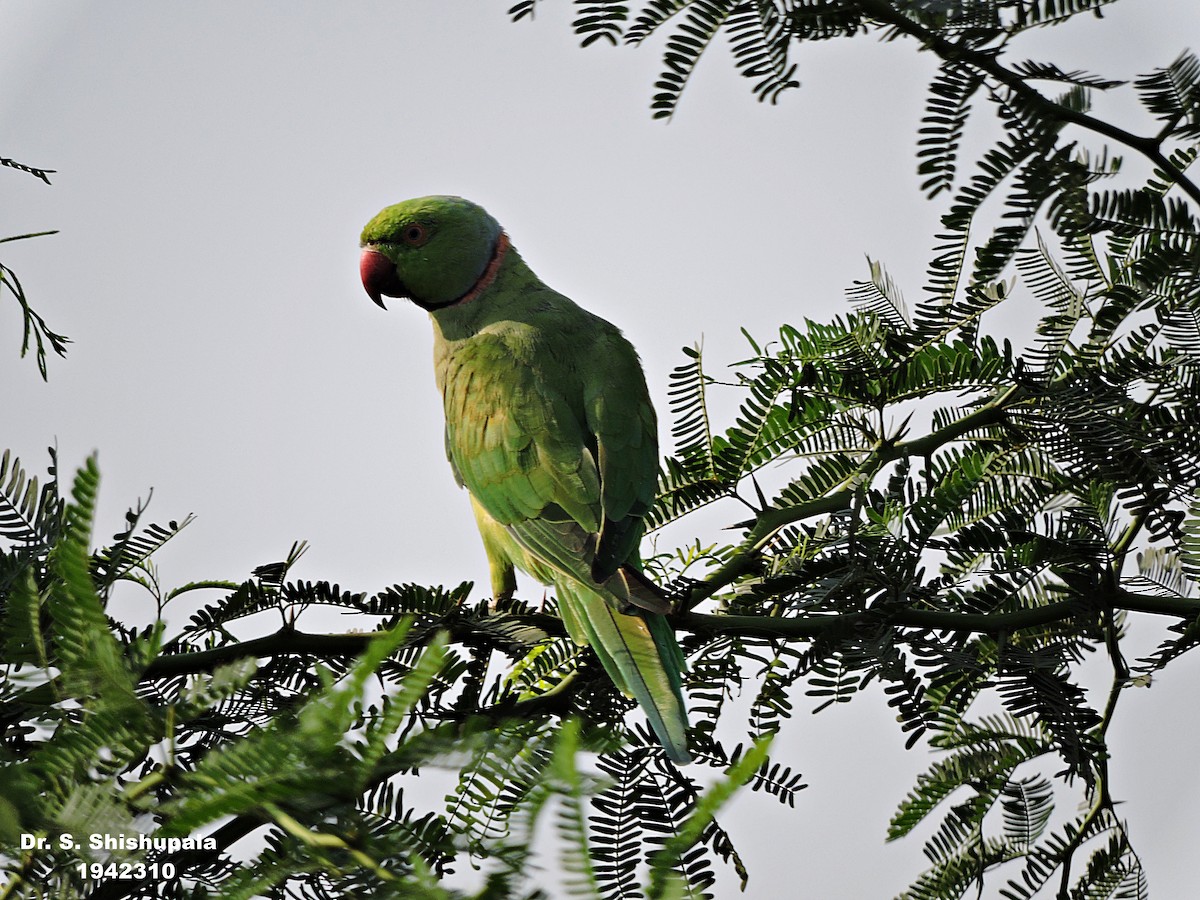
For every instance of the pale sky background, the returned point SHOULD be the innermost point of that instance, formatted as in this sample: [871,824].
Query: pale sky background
[215,164]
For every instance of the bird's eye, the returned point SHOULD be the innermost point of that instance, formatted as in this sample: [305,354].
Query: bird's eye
[414,235]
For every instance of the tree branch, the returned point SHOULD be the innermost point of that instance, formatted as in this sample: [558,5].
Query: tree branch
[288,641]
[43,174]
[812,626]
[1150,147]
[770,521]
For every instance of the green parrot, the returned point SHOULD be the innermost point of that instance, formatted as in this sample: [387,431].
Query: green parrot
[549,427]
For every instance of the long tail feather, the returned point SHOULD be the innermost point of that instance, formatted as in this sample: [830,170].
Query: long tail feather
[640,655]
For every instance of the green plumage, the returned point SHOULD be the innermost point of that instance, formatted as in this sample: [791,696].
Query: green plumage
[550,428]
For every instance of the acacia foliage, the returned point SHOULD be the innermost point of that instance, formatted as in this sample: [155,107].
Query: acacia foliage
[960,521]
[35,332]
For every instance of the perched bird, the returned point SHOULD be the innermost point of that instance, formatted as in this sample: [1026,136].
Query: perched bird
[550,429]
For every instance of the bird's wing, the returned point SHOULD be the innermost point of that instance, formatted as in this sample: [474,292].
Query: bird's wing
[569,482]
[621,421]
[515,442]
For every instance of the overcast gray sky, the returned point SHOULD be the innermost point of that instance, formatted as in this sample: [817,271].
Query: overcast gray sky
[215,164]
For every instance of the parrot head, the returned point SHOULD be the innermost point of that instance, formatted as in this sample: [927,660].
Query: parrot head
[435,251]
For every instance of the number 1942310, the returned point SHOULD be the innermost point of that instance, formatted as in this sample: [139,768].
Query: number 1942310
[128,871]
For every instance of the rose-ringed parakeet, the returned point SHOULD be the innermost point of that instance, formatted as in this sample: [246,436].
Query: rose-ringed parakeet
[549,427]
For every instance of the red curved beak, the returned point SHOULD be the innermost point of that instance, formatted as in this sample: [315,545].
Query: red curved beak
[379,276]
